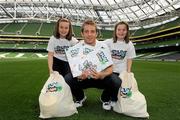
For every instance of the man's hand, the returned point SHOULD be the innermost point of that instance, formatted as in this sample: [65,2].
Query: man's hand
[85,74]
[91,73]
[96,75]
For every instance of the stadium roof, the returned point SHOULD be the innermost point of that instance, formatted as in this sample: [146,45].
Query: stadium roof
[105,12]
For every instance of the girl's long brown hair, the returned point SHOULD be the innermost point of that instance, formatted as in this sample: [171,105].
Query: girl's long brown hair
[56,31]
[114,33]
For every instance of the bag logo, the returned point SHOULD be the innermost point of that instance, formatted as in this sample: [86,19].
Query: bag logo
[126,92]
[54,87]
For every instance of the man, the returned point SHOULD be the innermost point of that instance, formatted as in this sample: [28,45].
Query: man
[93,79]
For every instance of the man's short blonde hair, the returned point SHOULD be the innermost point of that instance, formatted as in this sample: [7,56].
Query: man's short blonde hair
[88,22]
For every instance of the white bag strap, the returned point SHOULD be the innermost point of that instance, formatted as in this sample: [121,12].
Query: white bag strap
[126,86]
[126,82]
[134,82]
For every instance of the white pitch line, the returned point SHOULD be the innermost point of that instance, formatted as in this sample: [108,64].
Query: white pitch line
[40,55]
[19,55]
[150,56]
[140,55]
[3,55]
[169,53]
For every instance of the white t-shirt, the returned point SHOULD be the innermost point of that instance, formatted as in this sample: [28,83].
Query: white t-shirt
[98,45]
[58,46]
[120,52]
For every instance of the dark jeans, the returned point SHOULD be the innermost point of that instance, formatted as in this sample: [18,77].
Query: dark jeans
[61,66]
[110,84]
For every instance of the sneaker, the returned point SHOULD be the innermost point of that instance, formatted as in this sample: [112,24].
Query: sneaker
[80,103]
[106,105]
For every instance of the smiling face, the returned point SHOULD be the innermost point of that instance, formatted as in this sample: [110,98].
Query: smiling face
[121,31]
[63,29]
[89,32]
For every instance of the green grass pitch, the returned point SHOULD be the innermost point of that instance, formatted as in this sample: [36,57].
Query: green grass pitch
[22,79]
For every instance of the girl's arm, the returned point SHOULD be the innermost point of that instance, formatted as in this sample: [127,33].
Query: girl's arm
[129,64]
[50,61]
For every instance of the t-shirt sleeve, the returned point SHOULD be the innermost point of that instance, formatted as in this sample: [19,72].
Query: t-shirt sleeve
[131,51]
[108,42]
[50,46]
[74,41]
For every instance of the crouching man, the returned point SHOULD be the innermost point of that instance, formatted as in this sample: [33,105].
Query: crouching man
[105,80]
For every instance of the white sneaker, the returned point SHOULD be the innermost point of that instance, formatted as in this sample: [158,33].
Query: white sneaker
[106,105]
[80,103]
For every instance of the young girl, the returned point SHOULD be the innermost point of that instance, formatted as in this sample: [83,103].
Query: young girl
[61,40]
[122,49]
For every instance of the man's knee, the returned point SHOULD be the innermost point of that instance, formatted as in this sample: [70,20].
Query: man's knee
[113,80]
[116,81]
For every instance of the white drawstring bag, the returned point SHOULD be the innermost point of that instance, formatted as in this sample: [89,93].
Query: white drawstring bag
[131,101]
[56,99]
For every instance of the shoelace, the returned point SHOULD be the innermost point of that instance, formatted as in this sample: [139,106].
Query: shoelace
[106,103]
[77,102]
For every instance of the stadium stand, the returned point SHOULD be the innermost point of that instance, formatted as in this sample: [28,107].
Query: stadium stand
[34,33]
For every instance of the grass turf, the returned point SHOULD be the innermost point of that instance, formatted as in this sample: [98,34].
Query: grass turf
[22,79]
